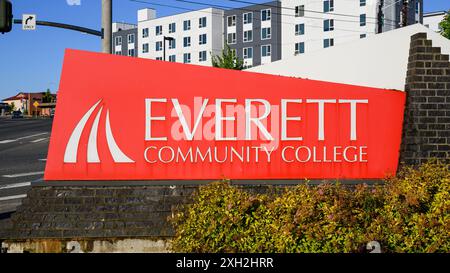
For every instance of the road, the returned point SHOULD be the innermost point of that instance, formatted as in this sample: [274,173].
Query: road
[23,154]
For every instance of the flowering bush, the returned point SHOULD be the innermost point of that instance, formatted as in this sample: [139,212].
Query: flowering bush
[409,213]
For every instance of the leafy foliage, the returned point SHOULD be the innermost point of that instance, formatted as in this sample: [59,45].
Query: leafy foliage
[445,26]
[12,107]
[228,60]
[409,213]
[47,97]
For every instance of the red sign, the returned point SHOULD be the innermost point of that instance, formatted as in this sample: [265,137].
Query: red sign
[121,118]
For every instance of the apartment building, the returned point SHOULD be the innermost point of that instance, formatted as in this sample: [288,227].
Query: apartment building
[260,33]
[190,37]
[432,19]
[124,39]
[254,32]
[311,25]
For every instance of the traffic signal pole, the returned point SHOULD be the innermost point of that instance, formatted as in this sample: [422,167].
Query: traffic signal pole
[405,9]
[105,33]
[380,16]
[66,26]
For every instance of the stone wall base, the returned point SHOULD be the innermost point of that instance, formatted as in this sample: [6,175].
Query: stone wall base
[101,245]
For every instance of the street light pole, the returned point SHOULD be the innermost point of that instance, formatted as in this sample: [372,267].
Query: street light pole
[107,26]
[164,45]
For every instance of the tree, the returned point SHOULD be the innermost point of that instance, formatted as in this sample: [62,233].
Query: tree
[228,60]
[12,107]
[444,25]
[47,97]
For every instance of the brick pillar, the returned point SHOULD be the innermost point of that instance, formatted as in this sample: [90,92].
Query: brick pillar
[426,127]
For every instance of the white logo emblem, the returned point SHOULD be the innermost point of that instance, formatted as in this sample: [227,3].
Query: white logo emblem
[70,156]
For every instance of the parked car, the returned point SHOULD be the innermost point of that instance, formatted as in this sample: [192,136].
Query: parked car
[17,114]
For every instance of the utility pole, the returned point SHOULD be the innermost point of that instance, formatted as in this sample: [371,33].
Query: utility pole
[107,26]
[380,16]
[405,13]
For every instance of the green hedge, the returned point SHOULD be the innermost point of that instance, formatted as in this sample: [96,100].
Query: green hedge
[409,213]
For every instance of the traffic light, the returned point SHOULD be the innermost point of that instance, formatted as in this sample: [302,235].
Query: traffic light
[6,17]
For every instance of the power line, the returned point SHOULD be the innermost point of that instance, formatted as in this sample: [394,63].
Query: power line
[312,11]
[246,9]
[287,23]
[168,6]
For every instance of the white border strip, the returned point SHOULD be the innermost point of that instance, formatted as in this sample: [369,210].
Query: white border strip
[15,185]
[21,174]
[12,197]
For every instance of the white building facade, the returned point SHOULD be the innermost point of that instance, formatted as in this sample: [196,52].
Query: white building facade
[190,37]
[431,20]
[311,25]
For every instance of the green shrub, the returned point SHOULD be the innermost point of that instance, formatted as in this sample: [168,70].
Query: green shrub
[409,213]
[415,216]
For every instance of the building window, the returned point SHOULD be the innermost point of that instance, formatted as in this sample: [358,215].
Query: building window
[186,25]
[362,20]
[172,58]
[231,20]
[158,46]
[266,50]
[248,36]
[202,56]
[187,58]
[299,29]
[131,52]
[231,38]
[172,28]
[328,5]
[144,32]
[172,44]
[248,18]
[328,25]
[159,58]
[300,11]
[186,41]
[266,14]
[202,22]
[362,3]
[118,40]
[328,42]
[362,36]
[145,48]
[202,39]
[299,48]
[266,33]
[248,52]
[158,30]
[131,38]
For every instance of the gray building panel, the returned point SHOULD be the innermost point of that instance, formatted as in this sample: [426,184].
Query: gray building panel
[124,34]
[394,14]
[274,41]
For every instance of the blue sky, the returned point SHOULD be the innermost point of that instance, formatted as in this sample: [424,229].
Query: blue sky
[31,61]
